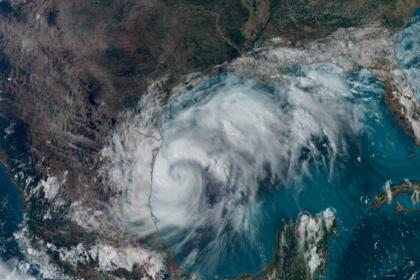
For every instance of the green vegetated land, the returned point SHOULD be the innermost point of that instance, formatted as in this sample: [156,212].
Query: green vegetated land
[302,250]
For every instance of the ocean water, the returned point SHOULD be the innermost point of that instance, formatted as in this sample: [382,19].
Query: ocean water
[233,236]
[372,245]
[14,262]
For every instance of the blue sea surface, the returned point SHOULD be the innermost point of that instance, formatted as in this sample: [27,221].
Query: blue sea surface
[372,244]
[14,262]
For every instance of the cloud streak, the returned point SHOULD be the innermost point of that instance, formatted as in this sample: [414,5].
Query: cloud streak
[230,143]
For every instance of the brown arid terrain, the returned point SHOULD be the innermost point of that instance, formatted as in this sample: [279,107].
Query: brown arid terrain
[85,82]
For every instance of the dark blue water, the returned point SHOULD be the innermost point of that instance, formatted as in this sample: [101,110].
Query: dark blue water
[372,245]
[14,262]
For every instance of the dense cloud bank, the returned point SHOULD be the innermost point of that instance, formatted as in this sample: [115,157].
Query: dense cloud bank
[230,142]
[408,53]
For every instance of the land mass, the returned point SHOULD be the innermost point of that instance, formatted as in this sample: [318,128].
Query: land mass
[302,250]
[389,194]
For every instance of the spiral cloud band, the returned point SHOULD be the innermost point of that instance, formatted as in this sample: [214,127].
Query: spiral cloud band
[230,143]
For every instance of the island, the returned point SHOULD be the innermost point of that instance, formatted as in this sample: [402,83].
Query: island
[388,195]
[412,155]
[302,250]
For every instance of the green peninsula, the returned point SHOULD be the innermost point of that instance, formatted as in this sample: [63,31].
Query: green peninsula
[302,250]
[389,194]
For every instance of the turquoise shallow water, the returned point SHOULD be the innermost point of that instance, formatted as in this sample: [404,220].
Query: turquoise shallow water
[372,245]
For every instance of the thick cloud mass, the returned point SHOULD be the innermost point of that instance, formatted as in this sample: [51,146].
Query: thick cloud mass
[231,142]
[408,53]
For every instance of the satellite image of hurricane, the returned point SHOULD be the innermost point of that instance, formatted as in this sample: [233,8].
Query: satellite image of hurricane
[210,139]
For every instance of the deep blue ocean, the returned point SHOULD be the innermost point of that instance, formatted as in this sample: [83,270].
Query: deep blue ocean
[372,245]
